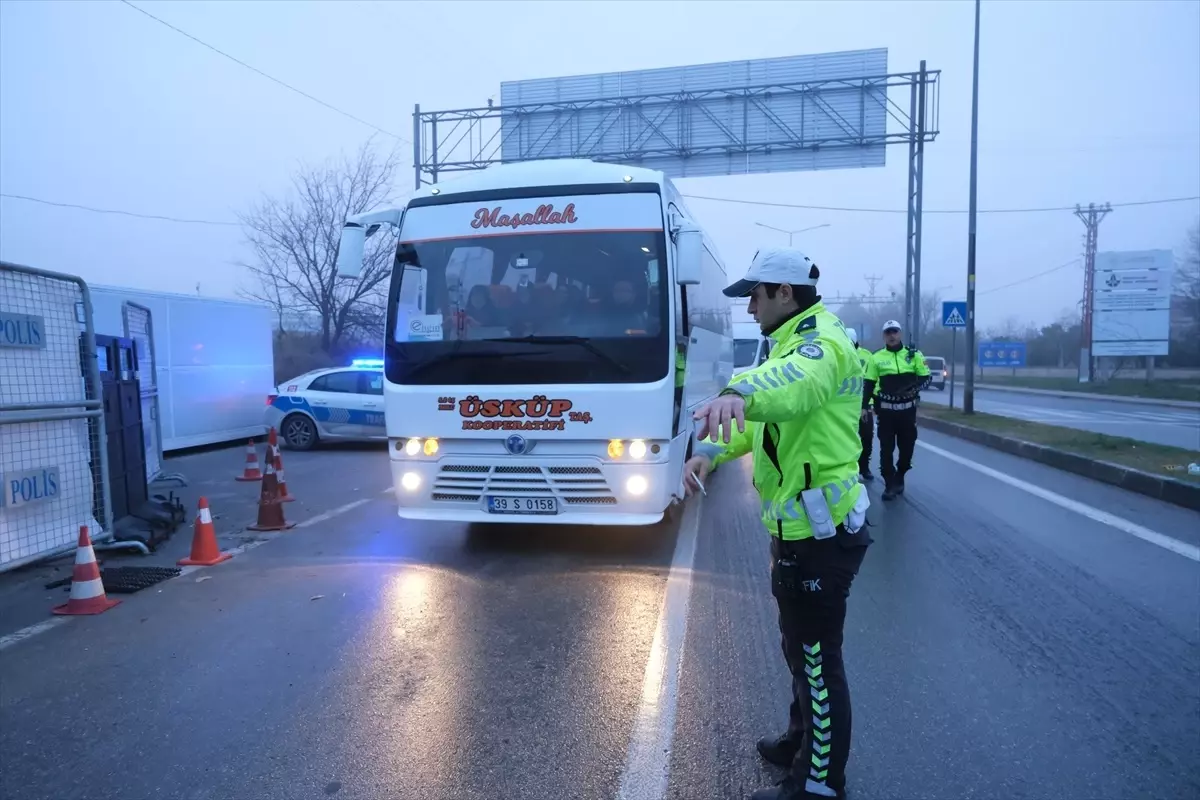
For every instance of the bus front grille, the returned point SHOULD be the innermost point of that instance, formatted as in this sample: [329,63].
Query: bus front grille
[573,485]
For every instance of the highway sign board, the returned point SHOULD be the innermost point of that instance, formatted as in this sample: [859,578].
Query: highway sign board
[1002,354]
[1131,303]
[954,314]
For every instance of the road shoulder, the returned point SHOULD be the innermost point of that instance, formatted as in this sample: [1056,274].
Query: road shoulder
[1169,490]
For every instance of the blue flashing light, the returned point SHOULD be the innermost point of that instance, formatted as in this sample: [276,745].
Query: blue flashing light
[367,363]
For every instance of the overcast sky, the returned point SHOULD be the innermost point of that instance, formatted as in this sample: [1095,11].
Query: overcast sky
[1080,102]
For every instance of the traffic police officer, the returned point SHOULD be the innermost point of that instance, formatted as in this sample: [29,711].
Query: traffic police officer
[798,412]
[897,375]
[866,425]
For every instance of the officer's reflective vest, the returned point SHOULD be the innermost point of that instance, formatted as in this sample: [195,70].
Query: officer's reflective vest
[802,410]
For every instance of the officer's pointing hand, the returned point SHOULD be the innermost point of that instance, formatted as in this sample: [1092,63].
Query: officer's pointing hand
[718,416]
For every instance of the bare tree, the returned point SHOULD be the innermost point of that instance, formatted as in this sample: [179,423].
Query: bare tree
[295,241]
[1187,281]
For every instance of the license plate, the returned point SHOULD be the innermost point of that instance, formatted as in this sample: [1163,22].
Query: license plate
[522,505]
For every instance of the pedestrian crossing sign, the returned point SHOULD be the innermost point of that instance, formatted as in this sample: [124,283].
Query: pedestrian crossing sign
[954,314]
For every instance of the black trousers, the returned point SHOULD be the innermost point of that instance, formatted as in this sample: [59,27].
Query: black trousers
[811,581]
[866,432]
[896,428]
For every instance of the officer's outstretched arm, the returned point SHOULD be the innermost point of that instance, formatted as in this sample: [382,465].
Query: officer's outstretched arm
[740,443]
[783,389]
[922,371]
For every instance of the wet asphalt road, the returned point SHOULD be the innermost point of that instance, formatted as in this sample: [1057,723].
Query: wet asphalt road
[999,646]
[1177,427]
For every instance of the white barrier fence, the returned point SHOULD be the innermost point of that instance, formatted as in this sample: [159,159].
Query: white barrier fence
[53,449]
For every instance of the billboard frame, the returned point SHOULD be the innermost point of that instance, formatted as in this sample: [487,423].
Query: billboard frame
[439,136]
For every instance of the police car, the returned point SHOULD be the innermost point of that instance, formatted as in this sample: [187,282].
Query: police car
[343,404]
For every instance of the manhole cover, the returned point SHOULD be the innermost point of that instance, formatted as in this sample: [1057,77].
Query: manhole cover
[127,580]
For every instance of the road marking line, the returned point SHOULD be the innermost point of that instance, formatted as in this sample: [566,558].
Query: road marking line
[648,760]
[1103,517]
[31,631]
[331,514]
[389,490]
[41,627]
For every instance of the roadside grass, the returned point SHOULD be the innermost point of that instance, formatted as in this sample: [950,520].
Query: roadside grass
[1179,389]
[1155,459]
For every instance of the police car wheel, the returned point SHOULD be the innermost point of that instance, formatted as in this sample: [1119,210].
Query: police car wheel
[298,432]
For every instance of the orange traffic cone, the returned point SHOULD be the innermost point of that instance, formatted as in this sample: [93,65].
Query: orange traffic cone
[205,551]
[272,443]
[87,589]
[251,472]
[284,497]
[270,507]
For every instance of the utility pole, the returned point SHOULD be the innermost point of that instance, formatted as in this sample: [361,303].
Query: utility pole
[969,389]
[1091,219]
[872,281]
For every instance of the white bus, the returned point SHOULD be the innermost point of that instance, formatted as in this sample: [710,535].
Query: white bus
[551,326]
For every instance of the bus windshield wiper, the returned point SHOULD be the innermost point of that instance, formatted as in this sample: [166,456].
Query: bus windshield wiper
[582,341]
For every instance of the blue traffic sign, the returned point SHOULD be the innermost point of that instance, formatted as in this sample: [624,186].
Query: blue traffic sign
[1002,354]
[954,314]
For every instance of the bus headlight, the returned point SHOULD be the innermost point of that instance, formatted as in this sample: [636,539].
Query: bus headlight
[410,481]
[636,485]
[412,447]
[431,446]
[637,449]
[616,448]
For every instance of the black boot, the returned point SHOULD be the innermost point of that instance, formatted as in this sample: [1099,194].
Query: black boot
[889,487]
[898,487]
[779,750]
[864,472]
[791,789]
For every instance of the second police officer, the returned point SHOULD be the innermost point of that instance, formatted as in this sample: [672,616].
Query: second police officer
[896,374]
[798,413]
[866,425]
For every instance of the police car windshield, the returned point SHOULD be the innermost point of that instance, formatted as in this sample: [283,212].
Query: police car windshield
[513,296]
[744,352]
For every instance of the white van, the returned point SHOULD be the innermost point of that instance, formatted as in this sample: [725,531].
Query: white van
[750,347]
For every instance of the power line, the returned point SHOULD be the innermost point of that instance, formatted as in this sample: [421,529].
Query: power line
[1028,278]
[718,199]
[117,211]
[265,75]
[932,211]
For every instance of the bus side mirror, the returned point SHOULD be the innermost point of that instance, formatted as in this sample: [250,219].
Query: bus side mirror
[350,250]
[689,250]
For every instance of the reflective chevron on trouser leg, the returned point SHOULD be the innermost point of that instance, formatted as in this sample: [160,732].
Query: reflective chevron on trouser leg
[819,760]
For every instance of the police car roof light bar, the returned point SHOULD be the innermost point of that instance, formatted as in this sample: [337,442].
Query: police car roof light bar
[367,363]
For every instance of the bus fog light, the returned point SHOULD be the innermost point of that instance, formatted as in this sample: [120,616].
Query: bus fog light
[410,481]
[637,449]
[616,448]
[412,447]
[637,485]
[431,446]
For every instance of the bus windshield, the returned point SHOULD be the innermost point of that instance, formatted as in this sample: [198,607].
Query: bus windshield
[537,290]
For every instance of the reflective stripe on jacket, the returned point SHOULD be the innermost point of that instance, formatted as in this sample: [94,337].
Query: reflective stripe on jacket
[802,410]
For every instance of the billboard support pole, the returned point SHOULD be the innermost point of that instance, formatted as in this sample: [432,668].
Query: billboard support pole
[912,215]
[918,134]
[417,146]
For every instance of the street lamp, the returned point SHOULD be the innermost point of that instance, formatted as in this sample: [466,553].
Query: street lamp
[790,234]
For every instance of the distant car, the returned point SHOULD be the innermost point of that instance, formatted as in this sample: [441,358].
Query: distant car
[343,404]
[937,370]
